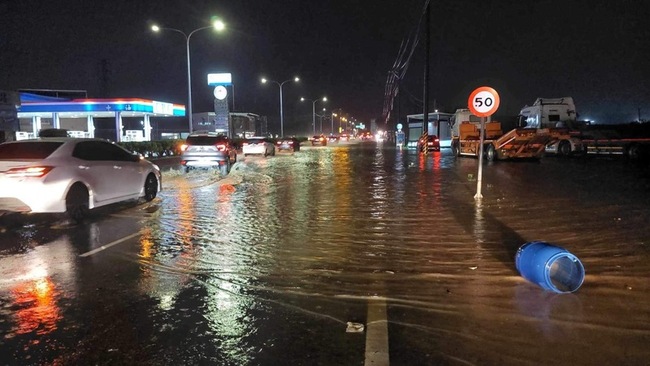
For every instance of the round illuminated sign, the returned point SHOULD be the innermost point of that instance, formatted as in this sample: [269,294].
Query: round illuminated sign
[399,127]
[220,92]
[483,101]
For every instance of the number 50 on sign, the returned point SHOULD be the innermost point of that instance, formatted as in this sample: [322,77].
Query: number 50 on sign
[483,101]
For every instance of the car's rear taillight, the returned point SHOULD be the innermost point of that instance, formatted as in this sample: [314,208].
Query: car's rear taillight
[31,171]
[221,147]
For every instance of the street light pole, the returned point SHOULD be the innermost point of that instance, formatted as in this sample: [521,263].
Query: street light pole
[296,79]
[332,120]
[218,26]
[313,110]
[321,121]
[313,115]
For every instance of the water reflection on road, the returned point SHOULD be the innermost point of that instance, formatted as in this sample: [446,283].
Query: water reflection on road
[252,268]
[357,222]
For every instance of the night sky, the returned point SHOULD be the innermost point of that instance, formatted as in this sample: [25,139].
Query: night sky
[596,51]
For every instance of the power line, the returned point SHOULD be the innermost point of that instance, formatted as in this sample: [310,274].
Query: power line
[400,66]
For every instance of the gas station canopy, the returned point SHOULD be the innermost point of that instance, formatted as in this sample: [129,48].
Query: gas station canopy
[42,106]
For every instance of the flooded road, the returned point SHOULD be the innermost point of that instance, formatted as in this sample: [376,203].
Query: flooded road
[339,255]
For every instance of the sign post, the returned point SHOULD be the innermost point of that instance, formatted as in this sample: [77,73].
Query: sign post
[222,121]
[482,102]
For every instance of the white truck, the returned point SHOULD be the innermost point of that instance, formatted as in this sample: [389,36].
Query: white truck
[556,117]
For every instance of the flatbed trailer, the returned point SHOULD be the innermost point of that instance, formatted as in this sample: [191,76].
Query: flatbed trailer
[519,143]
[632,148]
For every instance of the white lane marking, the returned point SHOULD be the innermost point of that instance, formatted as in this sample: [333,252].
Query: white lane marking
[103,247]
[377,334]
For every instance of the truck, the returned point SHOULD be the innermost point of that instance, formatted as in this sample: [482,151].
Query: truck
[557,118]
[518,143]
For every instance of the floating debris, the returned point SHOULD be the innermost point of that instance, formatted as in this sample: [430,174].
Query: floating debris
[354,328]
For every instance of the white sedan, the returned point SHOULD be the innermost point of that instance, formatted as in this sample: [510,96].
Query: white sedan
[258,146]
[72,175]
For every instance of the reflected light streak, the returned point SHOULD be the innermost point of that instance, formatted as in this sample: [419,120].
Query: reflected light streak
[226,189]
[146,243]
[422,162]
[163,252]
[436,161]
[435,166]
[342,171]
[187,215]
[479,230]
[228,315]
[37,308]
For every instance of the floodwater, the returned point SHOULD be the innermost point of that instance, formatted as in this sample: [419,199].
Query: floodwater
[268,266]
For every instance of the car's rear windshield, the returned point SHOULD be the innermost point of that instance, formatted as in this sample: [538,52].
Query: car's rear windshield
[206,140]
[28,150]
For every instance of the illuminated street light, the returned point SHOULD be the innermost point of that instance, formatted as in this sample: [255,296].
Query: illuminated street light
[217,25]
[264,81]
[332,119]
[313,110]
[321,120]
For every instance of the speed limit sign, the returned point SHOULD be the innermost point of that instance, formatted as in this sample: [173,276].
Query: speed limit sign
[483,101]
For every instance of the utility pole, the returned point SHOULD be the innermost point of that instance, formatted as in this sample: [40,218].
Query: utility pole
[425,112]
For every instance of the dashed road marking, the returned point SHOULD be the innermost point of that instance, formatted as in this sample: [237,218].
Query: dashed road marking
[377,334]
[103,247]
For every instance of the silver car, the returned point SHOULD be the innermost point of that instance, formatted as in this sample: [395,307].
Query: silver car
[72,175]
[208,150]
[258,146]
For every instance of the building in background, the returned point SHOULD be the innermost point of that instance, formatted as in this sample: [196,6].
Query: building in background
[438,124]
[9,102]
[241,124]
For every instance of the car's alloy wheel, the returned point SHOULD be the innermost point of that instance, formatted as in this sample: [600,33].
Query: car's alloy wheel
[76,203]
[150,188]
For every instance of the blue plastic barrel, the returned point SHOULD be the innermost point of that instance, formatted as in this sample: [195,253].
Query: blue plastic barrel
[550,266]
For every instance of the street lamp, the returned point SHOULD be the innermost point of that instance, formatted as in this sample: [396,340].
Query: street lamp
[321,120]
[334,115]
[217,25]
[313,110]
[264,81]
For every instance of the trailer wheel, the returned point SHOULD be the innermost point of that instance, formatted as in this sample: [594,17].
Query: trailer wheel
[564,148]
[633,152]
[454,148]
[491,153]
